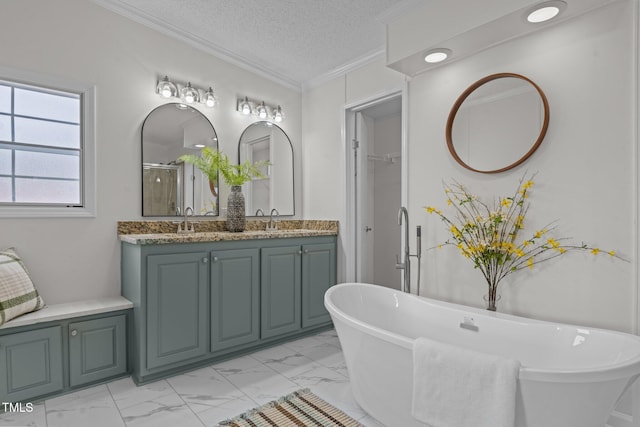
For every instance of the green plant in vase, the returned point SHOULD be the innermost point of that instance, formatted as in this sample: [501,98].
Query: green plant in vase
[489,234]
[211,162]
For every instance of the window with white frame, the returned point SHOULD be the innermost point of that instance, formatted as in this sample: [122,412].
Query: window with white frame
[45,166]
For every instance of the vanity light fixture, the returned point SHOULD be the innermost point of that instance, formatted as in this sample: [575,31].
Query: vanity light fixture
[545,11]
[209,98]
[245,107]
[167,88]
[261,109]
[277,114]
[436,55]
[187,93]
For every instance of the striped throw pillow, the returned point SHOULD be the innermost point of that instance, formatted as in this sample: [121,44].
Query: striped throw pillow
[17,293]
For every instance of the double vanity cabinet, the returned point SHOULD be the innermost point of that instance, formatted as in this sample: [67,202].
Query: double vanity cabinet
[219,295]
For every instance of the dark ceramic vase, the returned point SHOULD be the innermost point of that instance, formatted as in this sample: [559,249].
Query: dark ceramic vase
[236,216]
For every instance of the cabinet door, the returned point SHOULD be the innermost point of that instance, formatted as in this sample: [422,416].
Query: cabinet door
[177,307]
[318,275]
[31,364]
[280,290]
[235,293]
[97,349]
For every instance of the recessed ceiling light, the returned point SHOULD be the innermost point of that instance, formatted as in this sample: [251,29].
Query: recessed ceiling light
[545,11]
[436,55]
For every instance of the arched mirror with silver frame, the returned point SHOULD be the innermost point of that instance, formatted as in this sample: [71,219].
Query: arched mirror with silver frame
[267,141]
[497,123]
[169,185]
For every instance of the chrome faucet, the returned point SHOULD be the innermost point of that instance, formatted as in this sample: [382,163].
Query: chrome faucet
[273,225]
[186,226]
[259,212]
[406,263]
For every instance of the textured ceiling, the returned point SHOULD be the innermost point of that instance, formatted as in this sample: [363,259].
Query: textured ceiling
[292,40]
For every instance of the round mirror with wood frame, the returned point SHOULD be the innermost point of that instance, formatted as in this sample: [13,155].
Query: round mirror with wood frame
[497,123]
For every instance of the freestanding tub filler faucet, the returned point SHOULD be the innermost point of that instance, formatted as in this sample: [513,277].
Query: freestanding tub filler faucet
[405,263]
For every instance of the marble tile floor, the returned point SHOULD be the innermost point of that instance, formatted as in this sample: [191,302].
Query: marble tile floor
[208,395]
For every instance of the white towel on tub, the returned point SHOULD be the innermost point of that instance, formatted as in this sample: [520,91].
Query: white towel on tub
[456,387]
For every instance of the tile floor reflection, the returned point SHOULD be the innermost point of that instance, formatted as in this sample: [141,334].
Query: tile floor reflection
[207,395]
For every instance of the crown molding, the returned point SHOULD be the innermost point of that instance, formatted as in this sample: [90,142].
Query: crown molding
[343,69]
[167,29]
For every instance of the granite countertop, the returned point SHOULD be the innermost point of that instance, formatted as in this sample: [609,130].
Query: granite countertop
[163,232]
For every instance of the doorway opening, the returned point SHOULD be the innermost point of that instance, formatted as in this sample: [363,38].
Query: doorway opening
[375,171]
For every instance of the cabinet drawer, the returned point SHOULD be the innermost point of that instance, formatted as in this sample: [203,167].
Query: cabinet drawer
[97,349]
[31,364]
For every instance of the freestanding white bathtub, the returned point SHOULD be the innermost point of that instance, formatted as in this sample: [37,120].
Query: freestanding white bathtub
[570,376]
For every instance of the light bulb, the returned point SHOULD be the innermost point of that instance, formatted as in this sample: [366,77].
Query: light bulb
[245,107]
[209,98]
[543,14]
[277,116]
[190,94]
[436,55]
[166,88]
[262,111]
[545,11]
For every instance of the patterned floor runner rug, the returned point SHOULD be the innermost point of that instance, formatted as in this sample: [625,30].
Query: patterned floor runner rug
[299,409]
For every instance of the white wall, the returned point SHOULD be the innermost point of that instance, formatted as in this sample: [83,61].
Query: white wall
[323,114]
[74,259]
[586,166]
[585,169]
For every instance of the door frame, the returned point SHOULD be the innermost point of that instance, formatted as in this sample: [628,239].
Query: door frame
[349,221]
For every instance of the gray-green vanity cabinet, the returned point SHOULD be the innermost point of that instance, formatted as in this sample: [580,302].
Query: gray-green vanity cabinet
[318,275]
[280,286]
[196,303]
[235,298]
[177,308]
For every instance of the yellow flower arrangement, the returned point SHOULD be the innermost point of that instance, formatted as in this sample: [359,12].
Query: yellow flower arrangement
[489,235]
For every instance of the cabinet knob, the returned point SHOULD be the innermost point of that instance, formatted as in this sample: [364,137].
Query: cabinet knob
[215,259]
[300,252]
[74,332]
[205,260]
[306,251]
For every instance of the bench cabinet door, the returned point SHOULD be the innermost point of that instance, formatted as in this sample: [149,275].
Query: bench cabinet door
[97,349]
[30,364]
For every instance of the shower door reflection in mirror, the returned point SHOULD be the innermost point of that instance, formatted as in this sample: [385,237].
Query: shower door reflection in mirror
[266,141]
[169,186]
[162,189]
